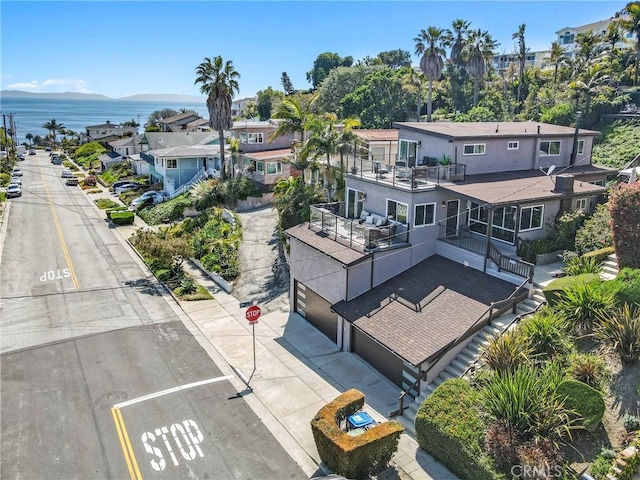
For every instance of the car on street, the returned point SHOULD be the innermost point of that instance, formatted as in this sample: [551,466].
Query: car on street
[17,180]
[16,172]
[32,151]
[47,149]
[14,190]
[67,174]
[56,160]
[120,183]
[127,187]
[72,181]
[146,199]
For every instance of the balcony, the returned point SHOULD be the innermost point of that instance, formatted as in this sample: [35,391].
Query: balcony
[329,219]
[421,177]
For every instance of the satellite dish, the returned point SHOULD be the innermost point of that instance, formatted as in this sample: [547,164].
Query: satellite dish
[551,169]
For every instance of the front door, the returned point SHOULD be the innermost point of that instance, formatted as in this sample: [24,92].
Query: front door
[354,203]
[452,217]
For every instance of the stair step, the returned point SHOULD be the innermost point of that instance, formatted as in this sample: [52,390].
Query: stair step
[454,371]
[462,364]
[471,350]
[616,470]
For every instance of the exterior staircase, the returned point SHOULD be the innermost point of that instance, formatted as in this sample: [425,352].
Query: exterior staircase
[610,267]
[469,355]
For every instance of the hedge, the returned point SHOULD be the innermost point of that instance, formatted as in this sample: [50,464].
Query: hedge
[449,426]
[353,456]
[121,208]
[586,401]
[122,217]
[601,254]
[553,291]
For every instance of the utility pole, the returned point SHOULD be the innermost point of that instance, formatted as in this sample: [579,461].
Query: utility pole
[574,152]
[4,123]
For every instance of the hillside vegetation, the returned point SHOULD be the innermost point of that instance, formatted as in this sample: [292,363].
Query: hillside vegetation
[618,144]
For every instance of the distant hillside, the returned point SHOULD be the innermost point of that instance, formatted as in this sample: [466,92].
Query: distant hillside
[164,97]
[61,96]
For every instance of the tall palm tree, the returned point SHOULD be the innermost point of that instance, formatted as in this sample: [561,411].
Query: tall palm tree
[592,81]
[455,39]
[632,24]
[586,51]
[558,58]
[219,81]
[521,55]
[430,44]
[413,82]
[53,128]
[29,137]
[477,52]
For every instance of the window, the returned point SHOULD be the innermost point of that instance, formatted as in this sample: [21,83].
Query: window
[597,182]
[580,147]
[503,227]
[274,168]
[531,217]
[568,37]
[550,148]
[581,204]
[260,167]
[513,145]
[474,149]
[251,137]
[172,163]
[425,214]
[408,153]
[397,212]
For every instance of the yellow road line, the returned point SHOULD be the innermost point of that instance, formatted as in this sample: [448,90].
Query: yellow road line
[65,251]
[127,449]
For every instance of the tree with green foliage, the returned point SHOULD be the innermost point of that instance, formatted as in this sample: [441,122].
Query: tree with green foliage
[153,120]
[267,100]
[624,206]
[340,82]
[29,138]
[521,55]
[219,81]
[595,232]
[287,86]
[478,52]
[632,24]
[292,199]
[379,101]
[323,64]
[429,44]
[558,58]
[413,83]
[395,58]
[53,128]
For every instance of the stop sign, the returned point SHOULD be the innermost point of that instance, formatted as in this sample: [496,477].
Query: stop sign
[253,313]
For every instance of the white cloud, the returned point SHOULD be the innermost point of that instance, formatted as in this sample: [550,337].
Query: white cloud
[53,85]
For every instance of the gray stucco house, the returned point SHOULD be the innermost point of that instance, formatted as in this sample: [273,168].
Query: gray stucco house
[455,204]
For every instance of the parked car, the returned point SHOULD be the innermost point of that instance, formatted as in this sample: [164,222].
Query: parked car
[16,172]
[67,174]
[147,198]
[119,183]
[56,160]
[21,156]
[127,187]
[14,190]
[32,151]
[72,180]
[16,180]
[47,149]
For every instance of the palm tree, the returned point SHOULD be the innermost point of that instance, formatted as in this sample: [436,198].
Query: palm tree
[413,82]
[477,51]
[29,137]
[219,81]
[455,39]
[558,58]
[234,148]
[521,55]
[430,44]
[53,127]
[632,25]
[586,51]
[592,81]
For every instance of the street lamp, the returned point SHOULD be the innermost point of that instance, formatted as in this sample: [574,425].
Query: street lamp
[574,152]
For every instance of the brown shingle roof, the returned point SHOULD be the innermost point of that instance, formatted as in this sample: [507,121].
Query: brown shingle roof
[321,242]
[463,130]
[522,186]
[452,296]
[270,154]
[377,135]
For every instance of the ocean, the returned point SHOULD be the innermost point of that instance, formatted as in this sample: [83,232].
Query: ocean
[30,114]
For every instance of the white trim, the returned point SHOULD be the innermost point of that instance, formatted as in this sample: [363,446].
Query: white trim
[415,215]
[474,145]
[547,154]
[513,145]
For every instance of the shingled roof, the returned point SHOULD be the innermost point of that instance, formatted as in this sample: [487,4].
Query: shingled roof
[452,297]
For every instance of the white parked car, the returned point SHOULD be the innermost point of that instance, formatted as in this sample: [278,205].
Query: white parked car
[16,180]
[67,174]
[147,198]
[16,172]
[14,190]
[127,187]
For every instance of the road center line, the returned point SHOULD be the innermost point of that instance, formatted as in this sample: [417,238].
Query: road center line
[171,390]
[127,449]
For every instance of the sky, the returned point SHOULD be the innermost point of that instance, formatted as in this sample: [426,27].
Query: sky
[122,48]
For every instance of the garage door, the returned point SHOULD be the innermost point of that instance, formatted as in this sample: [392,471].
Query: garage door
[377,355]
[316,310]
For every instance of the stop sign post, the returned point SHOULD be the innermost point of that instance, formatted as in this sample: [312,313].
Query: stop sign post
[252,314]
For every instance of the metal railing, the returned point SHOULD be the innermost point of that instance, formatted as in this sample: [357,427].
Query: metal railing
[201,175]
[482,321]
[511,265]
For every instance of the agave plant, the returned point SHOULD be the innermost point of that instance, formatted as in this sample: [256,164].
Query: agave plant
[619,330]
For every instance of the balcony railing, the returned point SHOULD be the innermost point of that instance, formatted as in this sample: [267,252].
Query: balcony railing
[329,218]
[401,176]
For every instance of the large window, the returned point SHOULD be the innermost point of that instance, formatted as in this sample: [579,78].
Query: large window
[408,153]
[531,217]
[397,212]
[474,149]
[581,204]
[274,168]
[567,38]
[172,163]
[425,214]
[550,148]
[503,227]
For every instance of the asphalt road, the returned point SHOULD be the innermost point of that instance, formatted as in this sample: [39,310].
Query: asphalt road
[99,377]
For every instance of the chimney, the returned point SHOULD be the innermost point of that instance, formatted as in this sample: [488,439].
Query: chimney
[564,183]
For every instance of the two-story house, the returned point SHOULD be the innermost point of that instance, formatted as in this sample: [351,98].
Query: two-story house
[566,37]
[179,122]
[107,132]
[401,268]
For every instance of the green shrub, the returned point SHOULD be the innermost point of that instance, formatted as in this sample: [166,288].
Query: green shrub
[200,293]
[588,368]
[583,264]
[585,401]
[555,289]
[600,254]
[625,223]
[600,466]
[353,456]
[546,334]
[595,232]
[631,422]
[122,217]
[119,171]
[617,145]
[5,178]
[170,210]
[119,208]
[450,427]
[507,351]
[626,286]
[106,203]
[619,330]
[582,304]
[163,274]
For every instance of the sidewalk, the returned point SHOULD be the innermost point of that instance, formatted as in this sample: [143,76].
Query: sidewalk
[298,370]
